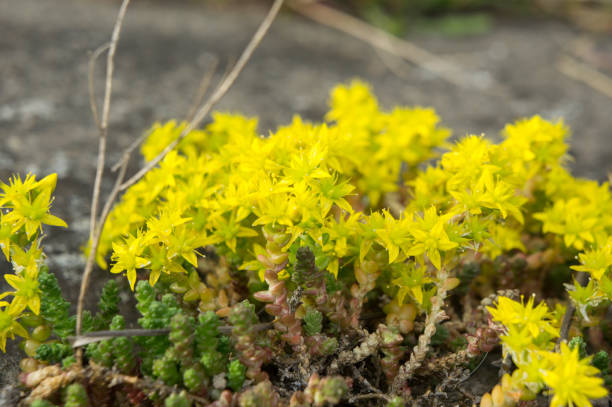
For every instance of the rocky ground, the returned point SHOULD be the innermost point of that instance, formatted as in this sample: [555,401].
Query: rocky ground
[46,125]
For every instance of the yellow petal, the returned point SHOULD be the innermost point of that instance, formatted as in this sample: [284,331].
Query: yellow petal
[13,280]
[34,304]
[52,220]
[131,275]
[31,227]
[154,276]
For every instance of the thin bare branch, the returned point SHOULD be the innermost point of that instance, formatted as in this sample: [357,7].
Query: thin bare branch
[584,73]
[395,64]
[103,126]
[127,153]
[379,39]
[97,336]
[219,92]
[119,185]
[96,241]
[90,78]
[202,89]
[204,84]
[101,152]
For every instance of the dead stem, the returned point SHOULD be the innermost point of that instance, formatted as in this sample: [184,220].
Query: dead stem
[97,336]
[219,92]
[202,89]
[379,39]
[119,184]
[586,74]
[103,128]
[90,79]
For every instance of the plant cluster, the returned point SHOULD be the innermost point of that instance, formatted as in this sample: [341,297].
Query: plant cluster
[34,300]
[314,266]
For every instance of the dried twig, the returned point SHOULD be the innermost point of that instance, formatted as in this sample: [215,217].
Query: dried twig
[97,336]
[204,83]
[202,89]
[586,74]
[127,153]
[92,90]
[103,127]
[103,124]
[219,92]
[122,165]
[395,64]
[380,39]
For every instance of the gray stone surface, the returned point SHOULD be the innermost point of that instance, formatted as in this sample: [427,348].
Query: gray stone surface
[46,125]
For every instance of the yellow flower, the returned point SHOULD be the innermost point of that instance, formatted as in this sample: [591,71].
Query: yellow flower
[331,191]
[596,261]
[27,294]
[571,219]
[33,214]
[27,261]
[513,313]
[227,229]
[307,166]
[572,381]
[411,281]
[430,237]
[500,195]
[128,257]
[159,262]
[5,238]
[394,235]
[9,327]
[17,189]
[274,209]
[162,228]
[353,104]
[536,139]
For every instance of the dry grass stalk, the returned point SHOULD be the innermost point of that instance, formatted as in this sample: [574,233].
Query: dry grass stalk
[380,39]
[221,90]
[586,74]
[103,131]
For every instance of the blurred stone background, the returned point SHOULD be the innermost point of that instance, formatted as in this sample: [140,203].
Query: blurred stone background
[513,67]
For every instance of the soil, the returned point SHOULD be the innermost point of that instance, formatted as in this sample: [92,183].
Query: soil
[165,48]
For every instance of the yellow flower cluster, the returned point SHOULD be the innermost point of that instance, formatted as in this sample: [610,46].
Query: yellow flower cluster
[357,191]
[332,185]
[578,220]
[24,208]
[354,189]
[226,183]
[530,334]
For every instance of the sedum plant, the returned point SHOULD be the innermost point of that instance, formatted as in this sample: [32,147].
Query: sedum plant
[322,253]
[33,298]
